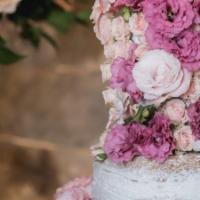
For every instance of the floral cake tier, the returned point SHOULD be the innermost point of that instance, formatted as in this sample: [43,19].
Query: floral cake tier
[152,69]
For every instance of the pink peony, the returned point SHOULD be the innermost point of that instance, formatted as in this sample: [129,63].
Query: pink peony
[194,118]
[169,17]
[186,46]
[123,79]
[161,143]
[79,189]
[119,145]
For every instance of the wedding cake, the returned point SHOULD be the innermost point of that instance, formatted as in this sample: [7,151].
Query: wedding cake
[150,149]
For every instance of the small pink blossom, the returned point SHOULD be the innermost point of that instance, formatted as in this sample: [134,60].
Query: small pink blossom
[169,17]
[175,110]
[135,4]
[123,79]
[138,26]
[79,189]
[184,138]
[120,29]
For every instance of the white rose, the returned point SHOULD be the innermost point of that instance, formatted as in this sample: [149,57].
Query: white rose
[159,73]
[106,72]
[8,6]
[120,29]
[184,138]
[138,26]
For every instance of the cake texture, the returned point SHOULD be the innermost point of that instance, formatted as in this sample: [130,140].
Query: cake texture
[177,179]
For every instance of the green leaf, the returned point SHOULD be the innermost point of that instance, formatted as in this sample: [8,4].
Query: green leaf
[102,157]
[83,16]
[60,20]
[8,56]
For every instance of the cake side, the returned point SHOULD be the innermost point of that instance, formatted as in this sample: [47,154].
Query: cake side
[177,179]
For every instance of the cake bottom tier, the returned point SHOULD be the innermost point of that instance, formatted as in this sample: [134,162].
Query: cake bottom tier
[177,179]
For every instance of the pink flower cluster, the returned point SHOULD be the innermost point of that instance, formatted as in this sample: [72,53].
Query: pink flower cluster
[155,141]
[79,189]
[171,27]
[122,78]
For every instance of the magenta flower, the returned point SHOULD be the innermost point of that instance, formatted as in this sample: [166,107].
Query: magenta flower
[161,143]
[194,117]
[185,46]
[196,6]
[122,78]
[168,17]
[120,144]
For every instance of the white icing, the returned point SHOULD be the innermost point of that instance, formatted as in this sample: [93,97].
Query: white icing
[113,182]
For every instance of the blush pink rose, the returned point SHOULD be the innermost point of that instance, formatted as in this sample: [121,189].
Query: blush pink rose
[120,29]
[79,189]
[184,138]
[103,30]
[175,110]
[159,73]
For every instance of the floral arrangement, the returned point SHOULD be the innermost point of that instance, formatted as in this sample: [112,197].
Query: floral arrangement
[152,67]
[29,17]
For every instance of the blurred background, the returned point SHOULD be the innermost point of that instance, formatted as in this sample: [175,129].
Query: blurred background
[51,108]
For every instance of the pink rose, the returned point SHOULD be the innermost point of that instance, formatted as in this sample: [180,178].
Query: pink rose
[159,73]
[103,29]
[120,29]
[184,138]
[138,26]
[79,189]
[175,110]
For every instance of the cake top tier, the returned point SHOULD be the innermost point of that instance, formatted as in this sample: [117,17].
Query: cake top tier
[152,67]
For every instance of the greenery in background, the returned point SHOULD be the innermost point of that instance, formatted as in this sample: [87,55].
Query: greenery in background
[31,12]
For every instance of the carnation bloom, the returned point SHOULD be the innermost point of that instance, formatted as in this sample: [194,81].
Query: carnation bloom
[79,189]
[8,6]
[161,143]
[119,145]
[169,17]
[123,79]
[194,118]
[159,74]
